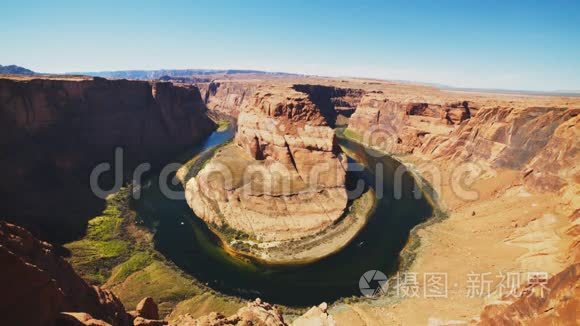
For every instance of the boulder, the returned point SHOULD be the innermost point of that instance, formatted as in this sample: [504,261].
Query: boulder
[140,321]
[147,308]
[79,319]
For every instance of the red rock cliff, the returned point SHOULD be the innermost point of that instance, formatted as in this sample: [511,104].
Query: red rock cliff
[54,131]
[37,284]
[542,142]
[227,97]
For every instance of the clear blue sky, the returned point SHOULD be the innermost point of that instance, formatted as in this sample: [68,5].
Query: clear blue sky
[494,44]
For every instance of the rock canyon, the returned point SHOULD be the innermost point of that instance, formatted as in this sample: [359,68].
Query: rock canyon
[502,169]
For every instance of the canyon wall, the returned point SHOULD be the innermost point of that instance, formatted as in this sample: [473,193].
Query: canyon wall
[334,102]
[402,127]
[229,97]
[286,171]
[540,144]
[539,141]
[38,284]
[55,131]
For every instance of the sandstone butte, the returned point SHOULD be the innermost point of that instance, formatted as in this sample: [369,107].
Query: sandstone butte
[283,178]
[523,218]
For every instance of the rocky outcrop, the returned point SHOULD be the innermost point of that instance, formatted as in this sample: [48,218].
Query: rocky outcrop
[41,288]
[317,315]
[255,313]
[38,284]
[452,113]
[284,178]
[259,313]
[555,302]
[147,308]
[79,319]
[290,128]
[55,131]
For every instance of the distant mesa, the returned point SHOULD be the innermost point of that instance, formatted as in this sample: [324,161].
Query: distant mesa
[173,73]
[15,70]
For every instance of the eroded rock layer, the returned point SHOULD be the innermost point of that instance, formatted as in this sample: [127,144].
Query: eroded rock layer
[555,303]
[227,97]
[402,127]
[284,176]
[540,141]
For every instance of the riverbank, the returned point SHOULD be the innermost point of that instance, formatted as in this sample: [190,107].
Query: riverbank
[440,212]
[304,250]
[118,253]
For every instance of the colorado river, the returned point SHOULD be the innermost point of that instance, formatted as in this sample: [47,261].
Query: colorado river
[184,239]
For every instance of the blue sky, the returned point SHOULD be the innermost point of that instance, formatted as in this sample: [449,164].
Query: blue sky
[493,44]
